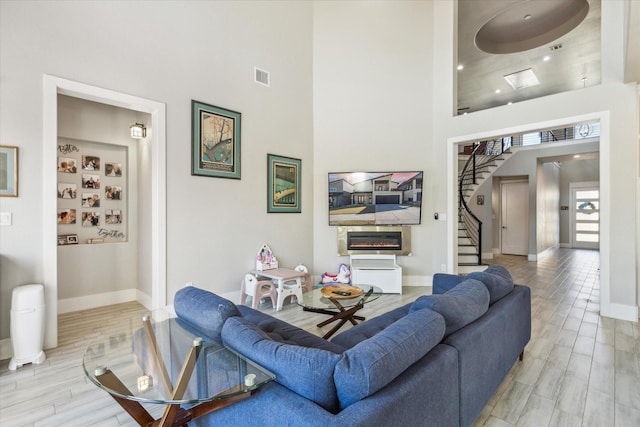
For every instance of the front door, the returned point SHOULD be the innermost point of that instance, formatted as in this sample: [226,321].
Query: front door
[585,215]
[514,218]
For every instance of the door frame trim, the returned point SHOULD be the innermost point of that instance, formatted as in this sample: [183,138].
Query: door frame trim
[52,86]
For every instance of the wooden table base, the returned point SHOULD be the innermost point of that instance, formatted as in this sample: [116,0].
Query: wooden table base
[342,316]
[174,415]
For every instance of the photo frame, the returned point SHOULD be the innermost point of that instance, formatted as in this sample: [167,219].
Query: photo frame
[284,175]
[215,134]
[480,200]
[8,171]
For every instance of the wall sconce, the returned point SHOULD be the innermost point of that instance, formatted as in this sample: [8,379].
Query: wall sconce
[138,131]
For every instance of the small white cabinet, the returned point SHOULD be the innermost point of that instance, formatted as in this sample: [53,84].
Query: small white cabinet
[378,270]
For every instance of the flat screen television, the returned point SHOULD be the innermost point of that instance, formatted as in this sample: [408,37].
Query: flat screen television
[375,198]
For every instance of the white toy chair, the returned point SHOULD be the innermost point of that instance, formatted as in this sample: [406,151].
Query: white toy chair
[286,289]
[257,289]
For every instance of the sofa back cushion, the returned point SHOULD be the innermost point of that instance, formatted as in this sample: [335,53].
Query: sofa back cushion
[204,310]
[459,306]
[375,362]
[306,371]
[497,279]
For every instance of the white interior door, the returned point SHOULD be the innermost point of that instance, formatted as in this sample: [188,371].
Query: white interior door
[585,215]
[514,218]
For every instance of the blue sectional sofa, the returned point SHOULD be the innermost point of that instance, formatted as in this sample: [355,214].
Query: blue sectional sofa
[433,362]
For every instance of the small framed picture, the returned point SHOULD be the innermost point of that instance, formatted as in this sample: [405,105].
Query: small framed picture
[113,216]
[90,163]
[215,141]
[480,200]
[8,171]
[66,191]
[66,216]
[91,219]
[67,165]
[90,200]
[90,181]
[113,169]
[62,240]
[72,239]
[283,184]
[112,192]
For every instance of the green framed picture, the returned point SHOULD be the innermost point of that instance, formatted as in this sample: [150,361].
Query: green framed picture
[215,141]
[283,184]
[8,171]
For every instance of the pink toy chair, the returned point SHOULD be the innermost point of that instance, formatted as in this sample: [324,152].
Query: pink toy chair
[306,280]
[257,289]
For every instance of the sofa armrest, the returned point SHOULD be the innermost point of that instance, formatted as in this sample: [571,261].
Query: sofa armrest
[443,282]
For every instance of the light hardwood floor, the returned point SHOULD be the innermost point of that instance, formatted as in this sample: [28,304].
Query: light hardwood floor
[580,369]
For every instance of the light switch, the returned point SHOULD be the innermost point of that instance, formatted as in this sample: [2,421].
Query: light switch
[5,218]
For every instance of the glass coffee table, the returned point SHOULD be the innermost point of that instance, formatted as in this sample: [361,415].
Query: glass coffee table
[163,360]
[341,308]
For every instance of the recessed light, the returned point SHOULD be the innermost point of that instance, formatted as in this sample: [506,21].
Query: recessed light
[509,103]
[546,58]
[527,17]
[576,156]
[460,67]
[498,91]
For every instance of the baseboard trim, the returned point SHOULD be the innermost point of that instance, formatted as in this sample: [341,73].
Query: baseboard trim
[620,311]
[100,300]
[487,255]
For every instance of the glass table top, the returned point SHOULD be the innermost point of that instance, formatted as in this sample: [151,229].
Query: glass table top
[316,300]
[124,365]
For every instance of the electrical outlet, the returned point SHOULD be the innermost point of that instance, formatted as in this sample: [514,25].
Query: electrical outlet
[5,218]
[443,267]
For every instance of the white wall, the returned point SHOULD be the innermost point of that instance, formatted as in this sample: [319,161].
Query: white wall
[179,51]
[547,207]
[373,111]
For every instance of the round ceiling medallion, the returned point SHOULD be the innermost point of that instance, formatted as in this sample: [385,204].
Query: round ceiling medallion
[530,24]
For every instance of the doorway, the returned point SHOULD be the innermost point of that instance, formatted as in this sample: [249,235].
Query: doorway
[52,87]
[514,217]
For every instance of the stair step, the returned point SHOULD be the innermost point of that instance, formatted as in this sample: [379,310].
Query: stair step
[467,258]
[467,250]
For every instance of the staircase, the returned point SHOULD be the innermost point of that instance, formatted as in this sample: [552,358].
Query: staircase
[482,160]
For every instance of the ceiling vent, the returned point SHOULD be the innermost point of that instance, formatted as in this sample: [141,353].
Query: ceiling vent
[522,79]
[262,77]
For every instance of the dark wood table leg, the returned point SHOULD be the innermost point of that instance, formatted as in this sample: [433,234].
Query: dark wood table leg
[133,408]
[341,316]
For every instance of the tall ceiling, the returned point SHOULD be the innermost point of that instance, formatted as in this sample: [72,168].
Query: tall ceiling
[535,30]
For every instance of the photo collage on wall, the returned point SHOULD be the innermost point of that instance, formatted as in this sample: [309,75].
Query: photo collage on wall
[91,198]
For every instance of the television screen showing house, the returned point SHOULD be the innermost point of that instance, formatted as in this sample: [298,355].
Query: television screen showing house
[375,198]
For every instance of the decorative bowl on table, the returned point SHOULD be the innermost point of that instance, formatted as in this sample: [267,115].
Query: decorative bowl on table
[341,291]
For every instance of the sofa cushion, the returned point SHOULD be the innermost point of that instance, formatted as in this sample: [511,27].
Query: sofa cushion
[204,310]
[442,282]
[497,280]
[306,371]
[365,330]
[459,306]
[375,362]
